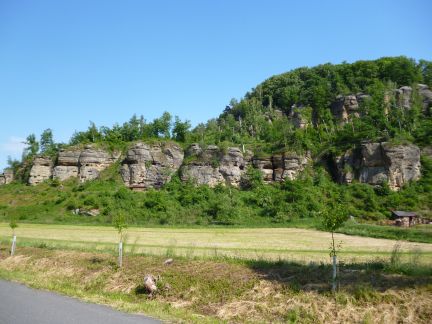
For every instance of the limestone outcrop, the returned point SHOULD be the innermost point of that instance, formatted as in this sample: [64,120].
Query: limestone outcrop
[41,170]
[378,163]
[6,177]
[151,165]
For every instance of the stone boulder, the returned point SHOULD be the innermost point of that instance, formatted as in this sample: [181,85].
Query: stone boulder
[41,170]
[151,165]
[378,163]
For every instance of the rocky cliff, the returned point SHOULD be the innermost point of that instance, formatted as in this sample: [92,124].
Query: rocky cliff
[214,166]
[85,164]
[150,165]
[378,163]
[281,167]
[345,108]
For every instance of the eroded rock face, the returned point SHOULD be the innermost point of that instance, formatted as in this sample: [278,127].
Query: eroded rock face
[151,166]
[211,166]
[345,107]
[403,97]
[297,116]
[281,167]
[67,165]
[378,163]
[72,163]
[6,177]
[41,170]
[92,162]
[426,96]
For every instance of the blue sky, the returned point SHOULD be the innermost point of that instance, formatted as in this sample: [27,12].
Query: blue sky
[65,63]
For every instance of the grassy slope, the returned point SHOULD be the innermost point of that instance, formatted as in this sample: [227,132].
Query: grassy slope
[197,290]
[51,204]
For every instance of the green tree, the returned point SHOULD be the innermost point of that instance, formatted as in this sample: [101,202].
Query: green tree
[119,222]
[47,145]
[333,217]
[180,129]
[32,146]
[162,125]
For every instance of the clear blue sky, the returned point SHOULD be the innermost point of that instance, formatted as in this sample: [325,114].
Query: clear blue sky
[64,63]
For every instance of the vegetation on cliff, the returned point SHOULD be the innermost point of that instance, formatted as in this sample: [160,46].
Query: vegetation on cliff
[293,111]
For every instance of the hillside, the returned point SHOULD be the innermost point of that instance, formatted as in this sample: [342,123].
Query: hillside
[354,135]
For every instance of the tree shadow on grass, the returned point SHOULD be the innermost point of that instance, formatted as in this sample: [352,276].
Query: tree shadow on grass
[379,275]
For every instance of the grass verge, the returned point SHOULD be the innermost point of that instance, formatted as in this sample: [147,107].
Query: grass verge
[233,290]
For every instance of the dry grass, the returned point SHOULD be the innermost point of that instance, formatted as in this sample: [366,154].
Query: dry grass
[234,291]
[263,243]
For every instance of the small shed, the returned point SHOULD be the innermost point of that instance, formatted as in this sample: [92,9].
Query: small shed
[405,218]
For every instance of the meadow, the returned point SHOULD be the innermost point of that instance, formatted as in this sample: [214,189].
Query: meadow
[245,243]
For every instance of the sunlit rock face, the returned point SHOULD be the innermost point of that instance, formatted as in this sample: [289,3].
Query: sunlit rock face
[67,165]
[41,170]
[92,161]
[286,166]
[213,166]
[379,163]
[6,177]
[151,165]
[84,164]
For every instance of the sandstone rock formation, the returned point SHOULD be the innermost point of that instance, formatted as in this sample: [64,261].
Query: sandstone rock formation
[426,96]
[281,167]
[345,107]
[151,165]
[83,164]
[6,177]
[212,166]
[92,162]
[67,165]
[298,115]
[403,97]
[378,163]
[41,170]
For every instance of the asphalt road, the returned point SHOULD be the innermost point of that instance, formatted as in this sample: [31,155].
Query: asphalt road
[22,305]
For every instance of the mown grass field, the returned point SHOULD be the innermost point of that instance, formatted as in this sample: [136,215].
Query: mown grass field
[252,243]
